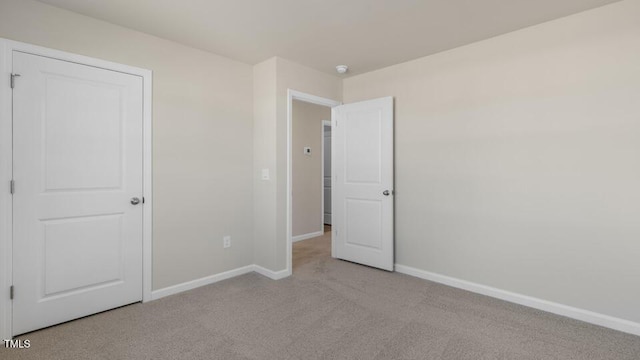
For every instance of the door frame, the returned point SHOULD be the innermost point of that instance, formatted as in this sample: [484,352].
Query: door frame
[322,160]
[313,99]
[7,47]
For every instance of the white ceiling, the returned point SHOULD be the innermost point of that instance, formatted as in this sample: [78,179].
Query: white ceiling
[364,34]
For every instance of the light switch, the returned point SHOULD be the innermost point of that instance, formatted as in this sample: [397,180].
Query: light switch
[265,174]
[307,150]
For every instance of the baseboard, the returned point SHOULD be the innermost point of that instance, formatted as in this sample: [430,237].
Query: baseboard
[544,305]
[274,275]
[189,285]
[208,280]
[307,236]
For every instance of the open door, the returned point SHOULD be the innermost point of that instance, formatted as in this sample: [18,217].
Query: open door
[362,194]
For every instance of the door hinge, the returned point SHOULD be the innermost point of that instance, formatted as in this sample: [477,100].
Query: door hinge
[12,186]
[11,292]
[143,199]
[13,80]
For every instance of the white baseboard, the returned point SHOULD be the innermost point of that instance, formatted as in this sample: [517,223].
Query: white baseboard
[189,285]
[274,275]
[208,280]
[548,306]
[307,236]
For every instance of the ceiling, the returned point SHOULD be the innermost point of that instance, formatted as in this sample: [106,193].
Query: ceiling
[364,34]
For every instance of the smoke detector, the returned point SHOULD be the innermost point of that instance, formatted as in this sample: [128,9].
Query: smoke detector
[341,69]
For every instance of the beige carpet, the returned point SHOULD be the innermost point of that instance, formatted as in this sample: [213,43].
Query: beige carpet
[329,309]
[312,250]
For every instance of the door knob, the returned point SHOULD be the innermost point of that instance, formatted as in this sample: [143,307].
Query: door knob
[135,201]
[386,193]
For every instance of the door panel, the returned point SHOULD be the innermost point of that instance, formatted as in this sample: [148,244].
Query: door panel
[77,162]
[362,223]
[95,139]
[363,148]
[363,174]
[97,238]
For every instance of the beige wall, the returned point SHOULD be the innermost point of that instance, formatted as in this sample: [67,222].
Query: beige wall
[264,157]
[517,160]
[307,130]
[270,242]
[301,78]
[202,126]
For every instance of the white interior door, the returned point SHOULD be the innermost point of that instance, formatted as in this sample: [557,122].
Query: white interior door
[77,245]
[363,182]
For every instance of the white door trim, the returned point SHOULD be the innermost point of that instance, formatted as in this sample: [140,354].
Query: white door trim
[300,96]
[6,158]
[324,123]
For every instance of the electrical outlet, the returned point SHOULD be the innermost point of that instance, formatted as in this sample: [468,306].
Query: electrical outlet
[226,241]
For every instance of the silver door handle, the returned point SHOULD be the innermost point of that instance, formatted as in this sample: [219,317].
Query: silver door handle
[386,193]
[135,200]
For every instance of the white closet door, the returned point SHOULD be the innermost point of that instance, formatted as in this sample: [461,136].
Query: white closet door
[77,246]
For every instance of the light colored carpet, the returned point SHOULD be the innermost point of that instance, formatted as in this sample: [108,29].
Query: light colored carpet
[308,251]
[329,309]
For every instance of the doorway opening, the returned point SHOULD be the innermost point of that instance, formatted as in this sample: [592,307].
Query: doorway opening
[311,182]
[308,211]
[318,246]
[361,182]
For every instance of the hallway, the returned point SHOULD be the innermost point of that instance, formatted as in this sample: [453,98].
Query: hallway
[306,251]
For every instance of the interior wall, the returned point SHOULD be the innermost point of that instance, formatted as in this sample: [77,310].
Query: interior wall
[293,76]
[271,242]
[264,158]
[202,133]
[517,160]
[307,130]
